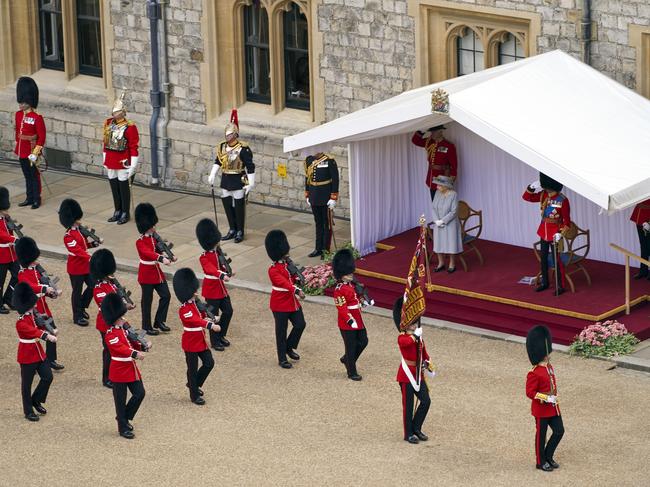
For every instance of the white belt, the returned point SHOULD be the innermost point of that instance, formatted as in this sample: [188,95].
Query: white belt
[275,288]
[207,276]
[148,262]
[122,359]
[354,306]
[73,255]
[24,340]
[7,245]
[197,328]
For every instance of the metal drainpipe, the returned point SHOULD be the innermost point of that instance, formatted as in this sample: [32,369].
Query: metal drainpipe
[164,140]
[586,31]
[153,12]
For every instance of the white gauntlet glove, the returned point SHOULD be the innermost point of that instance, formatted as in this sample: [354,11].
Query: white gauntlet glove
[331,204]
[535,186]
[307,200]
[32,157]
[418,332]
[134,164]
[551,399]
[213,174]
[251,183]
[439,223]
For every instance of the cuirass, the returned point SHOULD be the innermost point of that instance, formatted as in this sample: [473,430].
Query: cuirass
[114,137]
[231,163]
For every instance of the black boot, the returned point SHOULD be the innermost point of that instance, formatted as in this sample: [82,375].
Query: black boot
[230,215]
[240,219]
[125,197]
[117,202]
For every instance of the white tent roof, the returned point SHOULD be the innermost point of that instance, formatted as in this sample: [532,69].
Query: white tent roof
[550,111]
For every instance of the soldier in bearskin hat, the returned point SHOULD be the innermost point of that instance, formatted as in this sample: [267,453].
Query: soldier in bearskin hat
[31,357]
[150,276]
[8,259]
[123,371]
[216,274]
[30,139]
[195,322]
[348,305]
[541,389]
[284,298]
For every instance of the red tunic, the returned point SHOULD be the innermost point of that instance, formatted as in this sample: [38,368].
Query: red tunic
[78,256]
[542,379]
[123,367]
[30,132]
[102,289]
[116,159]
[283,293]
[7,239]
[213,282]
[32,277]
[348,307]
[408,347]
[149,271]
[641,213]
[555,213]
[29,349]
[441,156]
[194,326]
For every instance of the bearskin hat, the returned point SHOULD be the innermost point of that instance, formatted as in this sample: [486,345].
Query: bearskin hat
[207,234]
[27,251]
[24,298]
[185,284]
[145,217]
[27,91]
[276,244]
[549,183]
[538,343]
[102,264]
[343,263]
[397,312]
[113,308]
[5,204]
[69,212]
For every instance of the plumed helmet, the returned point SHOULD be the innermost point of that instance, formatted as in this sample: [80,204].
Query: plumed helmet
[27,91]
[113,308]
[538,343]
[102,264]
[119,103]
[276,244]
[24,298]
[549,183]
[5,204]
[343,263]
[207,234]
[145,217]
[232,127]
[69,212]
[185,284]
[27,251]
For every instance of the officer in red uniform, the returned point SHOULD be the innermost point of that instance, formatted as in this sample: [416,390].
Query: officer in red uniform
[31,357]
[556,220]
[186,287]
[441,155]
[30,272]
[348,305]
[541,389]
[30,139]
[284,298]
[123,371]
[8,259]
[121,141]
[641,218]
[78,265]
[216,274]
[321,193]
[411,375]
[150,275]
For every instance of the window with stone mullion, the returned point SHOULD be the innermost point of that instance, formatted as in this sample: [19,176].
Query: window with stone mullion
[257,55]
[470,53]
[296,59]
[89,37]
[51,34]
[510,50]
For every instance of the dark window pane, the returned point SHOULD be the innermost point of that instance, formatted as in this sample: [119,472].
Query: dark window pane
[88,8]
[296,59]
[256,50]
[510,50]
[51,26]
[470,55]
[89,37]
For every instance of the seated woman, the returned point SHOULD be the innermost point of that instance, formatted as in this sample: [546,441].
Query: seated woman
[447,239]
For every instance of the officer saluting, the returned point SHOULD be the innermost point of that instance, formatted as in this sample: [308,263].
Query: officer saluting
[441,155]
[321,193]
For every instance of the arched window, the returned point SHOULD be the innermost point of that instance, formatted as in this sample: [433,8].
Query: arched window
[510,50]
[470,53]
[296,59]
[256,46]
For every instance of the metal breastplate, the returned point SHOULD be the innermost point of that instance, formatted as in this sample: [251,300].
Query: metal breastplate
[230,159]
[114,137]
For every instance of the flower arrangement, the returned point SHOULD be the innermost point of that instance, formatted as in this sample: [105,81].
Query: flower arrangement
[606,339]
[320,277]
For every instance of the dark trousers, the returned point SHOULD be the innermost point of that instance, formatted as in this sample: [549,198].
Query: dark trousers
[235,210]
[222,308]
[106,359]
[32,181]
[80,300]
[121,192]
[27,373]
[50,349]
[163,303]
[282,341]
[545,451]
[125,411]
[196,376]
[545,250]
[355,341]
[322,227]
[644,242]
[432,191]
[413,422]
[13,268]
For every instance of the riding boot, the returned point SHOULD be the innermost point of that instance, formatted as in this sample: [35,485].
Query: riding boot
[125,194]
[230,215]
[117,201]
[240,219]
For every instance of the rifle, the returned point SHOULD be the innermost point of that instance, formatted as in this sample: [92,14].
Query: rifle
[48,281]
[362,291]
[14,226]
[45,322]
[204,308]
[90,233]
[122,292]
[224,261]
[137,336]
[163,247]
[295,271]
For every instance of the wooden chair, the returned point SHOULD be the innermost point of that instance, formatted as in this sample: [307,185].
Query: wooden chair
[573,249]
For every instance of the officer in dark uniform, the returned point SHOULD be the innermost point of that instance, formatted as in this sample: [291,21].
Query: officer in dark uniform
[321,193]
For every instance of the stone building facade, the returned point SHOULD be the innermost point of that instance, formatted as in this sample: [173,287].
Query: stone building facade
[355,53]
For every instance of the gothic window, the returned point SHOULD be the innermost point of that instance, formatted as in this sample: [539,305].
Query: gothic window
[296,59]
[510,50]
[256,47]
[470,53]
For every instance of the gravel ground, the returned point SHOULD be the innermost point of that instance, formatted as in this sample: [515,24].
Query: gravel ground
[263,425]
